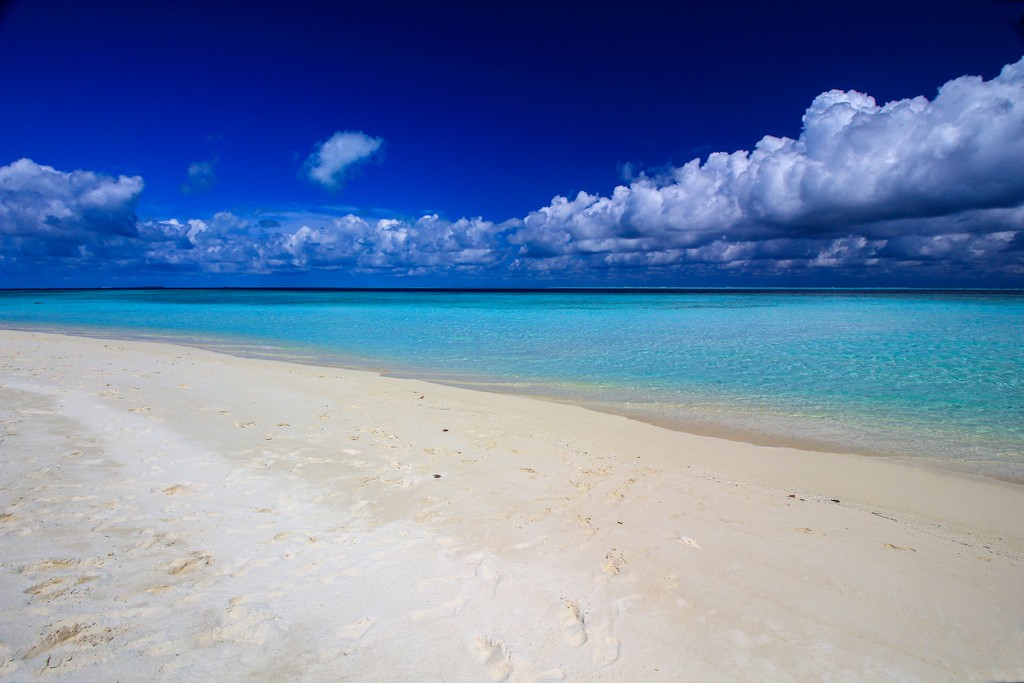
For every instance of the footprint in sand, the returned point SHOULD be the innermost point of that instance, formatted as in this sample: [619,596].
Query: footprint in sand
[613,562]
[241,623]
[487,577]
[445,609]
[352,633]
[608,652]
[84,634]
[48,590]
[575,633]
[495,657]
[189,564]
[581,486]
[356,630]
[46,565]
[176,490]
[8,663]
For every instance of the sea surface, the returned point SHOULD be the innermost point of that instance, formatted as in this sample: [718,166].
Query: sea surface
[935,376]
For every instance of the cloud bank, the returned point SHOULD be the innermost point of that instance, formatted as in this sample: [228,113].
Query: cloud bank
[232,244]
[332,158]
[916,187]
[863,181]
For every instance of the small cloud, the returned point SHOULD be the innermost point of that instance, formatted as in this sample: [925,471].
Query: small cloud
[201,176]
[335,156]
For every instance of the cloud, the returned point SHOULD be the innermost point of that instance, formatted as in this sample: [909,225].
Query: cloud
[859,172]
[38,200]
[201,176]
[46,214]
[83,221]
[899,192]
[228,243]
[328,164]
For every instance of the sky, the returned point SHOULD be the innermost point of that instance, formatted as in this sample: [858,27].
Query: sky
[395,144]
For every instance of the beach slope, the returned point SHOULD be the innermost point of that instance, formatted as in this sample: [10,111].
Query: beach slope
[170,513]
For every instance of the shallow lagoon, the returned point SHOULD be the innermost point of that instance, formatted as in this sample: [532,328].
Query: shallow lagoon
[933,375]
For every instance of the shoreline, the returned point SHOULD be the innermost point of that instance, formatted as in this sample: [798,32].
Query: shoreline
[167,506]
[724,431]
[726,428]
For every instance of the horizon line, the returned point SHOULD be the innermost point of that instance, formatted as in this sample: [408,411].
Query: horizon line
[534,290]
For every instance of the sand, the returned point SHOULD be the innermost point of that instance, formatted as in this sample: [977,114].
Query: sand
[169,513]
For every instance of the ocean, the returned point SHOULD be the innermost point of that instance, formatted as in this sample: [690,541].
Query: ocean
[934,376]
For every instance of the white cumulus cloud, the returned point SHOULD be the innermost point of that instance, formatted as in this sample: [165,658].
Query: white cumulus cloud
[37,200]
[328,163]
[51,218]
[859,171]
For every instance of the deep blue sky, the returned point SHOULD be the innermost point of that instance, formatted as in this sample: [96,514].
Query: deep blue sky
[489,110]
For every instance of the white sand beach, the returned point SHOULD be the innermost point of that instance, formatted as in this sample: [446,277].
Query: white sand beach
[170,513]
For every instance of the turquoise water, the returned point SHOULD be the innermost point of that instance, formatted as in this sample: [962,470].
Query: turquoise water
[938,375]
